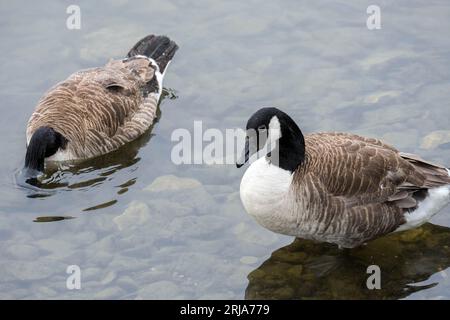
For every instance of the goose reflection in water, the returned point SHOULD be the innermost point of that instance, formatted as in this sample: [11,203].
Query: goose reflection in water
[308,270]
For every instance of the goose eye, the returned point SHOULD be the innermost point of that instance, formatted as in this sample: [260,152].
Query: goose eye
[262,128]
[115,88]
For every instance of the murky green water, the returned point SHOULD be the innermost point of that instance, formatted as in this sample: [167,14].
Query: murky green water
[137,237]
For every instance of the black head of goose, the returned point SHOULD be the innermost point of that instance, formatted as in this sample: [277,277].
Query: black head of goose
[96,111]
[334,187]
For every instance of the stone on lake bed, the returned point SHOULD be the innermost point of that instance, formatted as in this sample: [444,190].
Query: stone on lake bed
[30,270]
[23,251]
[159,290]
[160,206]
[435,138]
[57,248]
[136,214]
[110,277]
[41,291]
[90,273]
[110,293]
[126,282]
[244,232]
[407,138]
[180,196]
[249,260]
[172,183]
[377,96]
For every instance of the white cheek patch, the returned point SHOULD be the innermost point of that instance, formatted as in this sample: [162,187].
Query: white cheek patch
[274,134]
[274,129]
[269,138]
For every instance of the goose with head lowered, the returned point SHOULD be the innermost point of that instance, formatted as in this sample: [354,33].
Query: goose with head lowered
[96,111]
[335,187]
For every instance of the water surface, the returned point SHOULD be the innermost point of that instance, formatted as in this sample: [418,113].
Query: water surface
[135,237]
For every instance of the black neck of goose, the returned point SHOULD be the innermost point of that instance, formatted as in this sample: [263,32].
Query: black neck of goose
[44,143]
[290,147]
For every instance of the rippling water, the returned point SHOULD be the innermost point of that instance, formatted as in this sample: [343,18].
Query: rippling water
[139,226]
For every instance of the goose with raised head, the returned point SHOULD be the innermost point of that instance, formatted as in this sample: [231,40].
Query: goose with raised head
[335,187]
[96,111]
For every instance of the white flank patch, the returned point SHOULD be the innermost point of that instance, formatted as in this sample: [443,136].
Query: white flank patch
[436,200]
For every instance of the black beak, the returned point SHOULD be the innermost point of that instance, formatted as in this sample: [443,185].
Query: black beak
[245,154]
[31,176]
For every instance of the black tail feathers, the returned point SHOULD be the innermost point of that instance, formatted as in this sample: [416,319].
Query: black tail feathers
[44,143]
[159,48]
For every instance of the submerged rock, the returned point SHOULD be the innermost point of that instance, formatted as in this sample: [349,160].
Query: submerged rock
[245,233]
[180,196]
[110,277]
[159,290]
[435,139]
[172,183]
[110,293]
[136,214]
[30,270]
[22,251]
[249,260]
[377,96]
